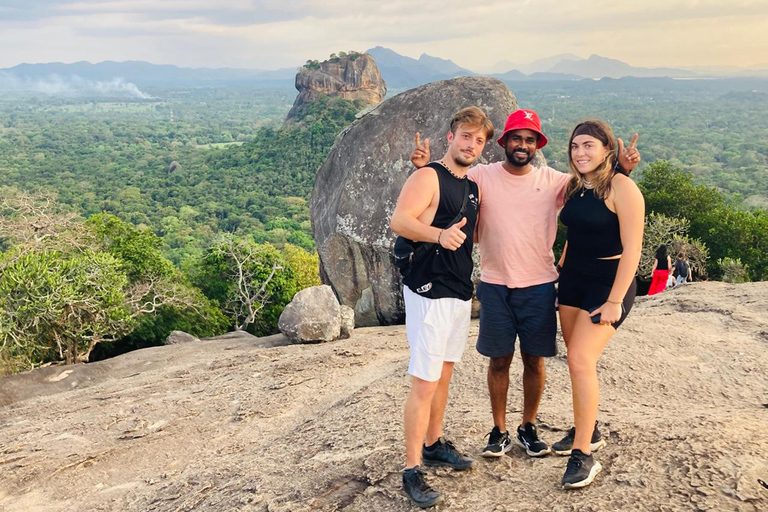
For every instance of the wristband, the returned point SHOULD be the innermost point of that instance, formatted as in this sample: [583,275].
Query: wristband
[438,236]
[612,302]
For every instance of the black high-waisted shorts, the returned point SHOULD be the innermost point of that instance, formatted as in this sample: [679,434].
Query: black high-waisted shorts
[586,284]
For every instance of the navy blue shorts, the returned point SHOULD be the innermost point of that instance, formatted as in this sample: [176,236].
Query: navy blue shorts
[506,313]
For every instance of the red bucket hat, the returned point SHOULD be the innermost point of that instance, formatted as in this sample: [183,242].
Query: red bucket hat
[523,120]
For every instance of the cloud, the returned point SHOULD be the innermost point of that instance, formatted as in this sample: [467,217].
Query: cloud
[281,33]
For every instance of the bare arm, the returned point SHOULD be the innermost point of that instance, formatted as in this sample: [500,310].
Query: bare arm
[630,208]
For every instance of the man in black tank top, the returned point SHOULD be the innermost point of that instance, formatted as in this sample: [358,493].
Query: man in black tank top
[438,293]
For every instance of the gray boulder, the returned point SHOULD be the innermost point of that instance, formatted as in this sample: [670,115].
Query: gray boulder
[357,187]
[179,337]
[347,322]
[312,316]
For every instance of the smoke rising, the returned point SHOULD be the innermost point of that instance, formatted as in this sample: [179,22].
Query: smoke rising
[57,85]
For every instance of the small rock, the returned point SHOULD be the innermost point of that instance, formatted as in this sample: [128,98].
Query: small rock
[179,337]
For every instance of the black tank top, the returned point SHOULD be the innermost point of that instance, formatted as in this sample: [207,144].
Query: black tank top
[662,263]
[593,229]
[443,273]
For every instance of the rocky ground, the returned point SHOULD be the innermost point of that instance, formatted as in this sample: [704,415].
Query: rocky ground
[248,424]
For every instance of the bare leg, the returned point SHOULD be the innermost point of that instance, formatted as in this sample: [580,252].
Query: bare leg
[584,349]
[534,375]
[568,315]
[439,400]
[417,410]
[498,384]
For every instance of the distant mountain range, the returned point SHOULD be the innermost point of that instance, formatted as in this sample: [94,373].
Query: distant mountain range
[399,72]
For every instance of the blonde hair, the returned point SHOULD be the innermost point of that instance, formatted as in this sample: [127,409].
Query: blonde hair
[601,183]
[473,116]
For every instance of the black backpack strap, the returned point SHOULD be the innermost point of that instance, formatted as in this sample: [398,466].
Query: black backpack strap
[424,248]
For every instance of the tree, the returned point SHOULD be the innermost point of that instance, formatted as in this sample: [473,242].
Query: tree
[65,286]
[672,232]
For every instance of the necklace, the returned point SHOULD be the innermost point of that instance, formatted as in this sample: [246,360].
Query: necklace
[588,185]
[450,171]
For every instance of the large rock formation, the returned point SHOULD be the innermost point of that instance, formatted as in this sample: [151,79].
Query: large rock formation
[356,77]
[357,187]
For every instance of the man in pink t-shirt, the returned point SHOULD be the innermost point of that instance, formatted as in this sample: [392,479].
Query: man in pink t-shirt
[516,229]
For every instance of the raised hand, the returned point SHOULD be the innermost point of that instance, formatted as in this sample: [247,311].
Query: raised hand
[420,155]
[629,157]
[453,237]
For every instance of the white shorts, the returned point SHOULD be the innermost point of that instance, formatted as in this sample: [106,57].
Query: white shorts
[437,332]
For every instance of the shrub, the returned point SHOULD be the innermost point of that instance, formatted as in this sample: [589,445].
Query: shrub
[734,271]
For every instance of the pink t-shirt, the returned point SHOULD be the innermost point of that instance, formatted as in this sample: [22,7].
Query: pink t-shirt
[517,224]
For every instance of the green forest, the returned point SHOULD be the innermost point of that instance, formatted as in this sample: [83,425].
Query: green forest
[128,217]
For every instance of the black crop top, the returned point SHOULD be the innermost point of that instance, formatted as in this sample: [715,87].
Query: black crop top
[593,229]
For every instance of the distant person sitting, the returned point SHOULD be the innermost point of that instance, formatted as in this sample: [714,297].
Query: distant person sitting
[661,266]
[682,270]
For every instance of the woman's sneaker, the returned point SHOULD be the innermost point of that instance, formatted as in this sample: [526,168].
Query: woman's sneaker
[528,438]
[581,470]
[563,446]
[499,443]
[444,453]
[418,490]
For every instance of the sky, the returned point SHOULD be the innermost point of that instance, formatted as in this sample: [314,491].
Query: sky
[272,34]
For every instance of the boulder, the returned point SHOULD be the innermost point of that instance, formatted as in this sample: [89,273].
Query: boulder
[347,322]
[357,187]
[353,78]
[179,337]
[312,316]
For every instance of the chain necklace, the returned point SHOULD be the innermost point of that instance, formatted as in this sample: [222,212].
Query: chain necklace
[588,185]
[450,171]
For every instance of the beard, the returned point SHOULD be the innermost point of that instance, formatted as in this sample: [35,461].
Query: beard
[464,160]
[519,157]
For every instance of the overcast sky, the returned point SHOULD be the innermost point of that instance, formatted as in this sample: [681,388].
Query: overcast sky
[271,34]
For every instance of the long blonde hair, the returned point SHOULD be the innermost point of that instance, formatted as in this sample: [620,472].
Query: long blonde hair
[601,183]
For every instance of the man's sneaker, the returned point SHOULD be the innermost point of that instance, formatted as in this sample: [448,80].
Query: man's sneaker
[444,453]
[418,490]
[563,446]
[499,443]
[528,438]
[581,470]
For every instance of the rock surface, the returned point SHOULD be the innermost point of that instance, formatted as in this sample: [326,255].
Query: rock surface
[203,426]
[347,321]
[357,187]
[312,316]
[349,78]
[178,337]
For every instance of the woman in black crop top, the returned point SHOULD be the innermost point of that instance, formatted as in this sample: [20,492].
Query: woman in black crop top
[604,213]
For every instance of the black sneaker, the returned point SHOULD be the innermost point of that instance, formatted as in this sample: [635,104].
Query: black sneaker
[563,446]
[528,438]
[499,443]
[444,453]
[419,491]
[581,470]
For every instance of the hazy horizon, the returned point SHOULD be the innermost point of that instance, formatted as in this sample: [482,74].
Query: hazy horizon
[273,34]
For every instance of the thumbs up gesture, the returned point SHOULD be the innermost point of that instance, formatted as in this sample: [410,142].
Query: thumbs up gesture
[453,237]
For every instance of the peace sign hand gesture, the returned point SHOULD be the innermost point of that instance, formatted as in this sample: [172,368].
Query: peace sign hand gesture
[420,155]
[629,157]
